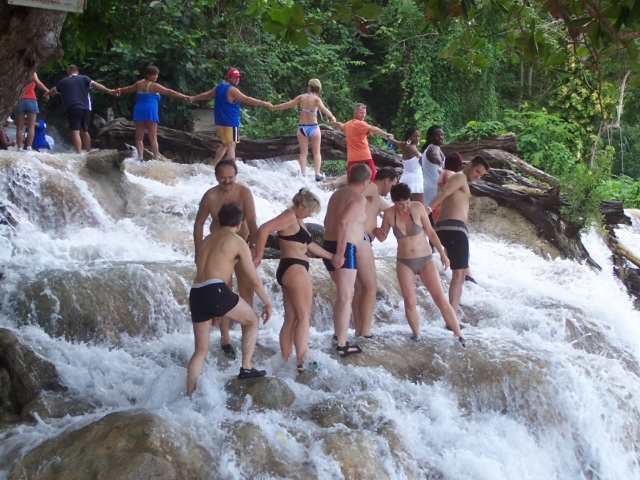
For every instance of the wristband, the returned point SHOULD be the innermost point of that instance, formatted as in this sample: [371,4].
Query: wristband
[118,91]
[253,245]
[430,209]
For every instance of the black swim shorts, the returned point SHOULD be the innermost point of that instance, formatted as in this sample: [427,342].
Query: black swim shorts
[209,299]
[453,236]
[79,119]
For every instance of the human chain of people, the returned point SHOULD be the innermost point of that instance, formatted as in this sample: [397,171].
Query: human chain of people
[429,212]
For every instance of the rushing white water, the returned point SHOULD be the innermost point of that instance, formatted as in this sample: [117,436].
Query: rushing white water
[547,389]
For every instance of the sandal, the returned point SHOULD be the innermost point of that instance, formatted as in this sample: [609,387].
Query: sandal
[462,341]
[253,373]
[228,350]
[311,367]
[348,350]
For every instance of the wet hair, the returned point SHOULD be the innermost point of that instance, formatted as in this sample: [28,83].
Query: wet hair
[453,162]
[307,199]
[230,215]
[315,86]
[72,68]
[359,173]
[478,160]
[400,192]
[410,131]
[386,173]
[225,162]
[358,106]
[151,70]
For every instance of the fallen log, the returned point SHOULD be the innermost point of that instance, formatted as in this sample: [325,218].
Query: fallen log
[540,206]
[185,147]
[468,148]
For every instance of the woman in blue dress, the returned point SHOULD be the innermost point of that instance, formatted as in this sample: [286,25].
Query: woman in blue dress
[145,113]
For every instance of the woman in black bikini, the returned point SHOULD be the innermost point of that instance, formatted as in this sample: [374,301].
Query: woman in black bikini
[414,257]
[293,271]
[308,128]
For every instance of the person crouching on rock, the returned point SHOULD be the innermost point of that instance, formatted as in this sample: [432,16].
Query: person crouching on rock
[410,224]
[210,298]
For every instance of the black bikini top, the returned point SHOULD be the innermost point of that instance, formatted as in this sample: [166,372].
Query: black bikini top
[301,236]
[413,231]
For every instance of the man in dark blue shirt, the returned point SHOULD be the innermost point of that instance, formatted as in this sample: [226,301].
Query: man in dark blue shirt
[76,104]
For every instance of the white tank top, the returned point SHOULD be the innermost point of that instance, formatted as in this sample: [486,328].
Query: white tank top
[430,175]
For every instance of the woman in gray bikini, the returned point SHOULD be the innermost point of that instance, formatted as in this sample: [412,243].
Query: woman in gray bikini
[411,226]
[293,271]
[308,129]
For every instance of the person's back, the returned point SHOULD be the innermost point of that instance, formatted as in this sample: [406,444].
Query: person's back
[74,90]
[218,255]
[40,136]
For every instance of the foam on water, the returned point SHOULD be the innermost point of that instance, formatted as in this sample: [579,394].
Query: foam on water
[573,330]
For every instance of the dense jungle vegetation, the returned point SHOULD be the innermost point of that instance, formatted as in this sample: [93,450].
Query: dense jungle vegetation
[552,72]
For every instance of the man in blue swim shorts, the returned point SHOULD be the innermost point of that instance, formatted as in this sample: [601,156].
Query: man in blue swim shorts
[344,228]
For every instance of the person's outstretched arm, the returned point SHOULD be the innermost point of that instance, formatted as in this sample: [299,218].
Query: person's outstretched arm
[285,105]
[204,95]
[236,94]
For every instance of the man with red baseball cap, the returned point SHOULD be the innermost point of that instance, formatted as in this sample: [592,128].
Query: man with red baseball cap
[226,111]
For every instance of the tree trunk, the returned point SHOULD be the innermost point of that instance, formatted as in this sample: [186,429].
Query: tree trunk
[184,147]
[29,37]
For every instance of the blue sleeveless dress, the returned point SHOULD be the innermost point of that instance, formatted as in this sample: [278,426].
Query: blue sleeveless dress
[146,108]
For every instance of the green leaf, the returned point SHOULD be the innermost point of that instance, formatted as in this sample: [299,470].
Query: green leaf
[297,15]
[274,28]
[578,22]
[582,51]
[369,11]
[459,62]
[478,43]
[556,59]
[634,82]
[300,39]
[514,57]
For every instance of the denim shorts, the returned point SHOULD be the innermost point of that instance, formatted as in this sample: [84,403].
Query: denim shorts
[26,105]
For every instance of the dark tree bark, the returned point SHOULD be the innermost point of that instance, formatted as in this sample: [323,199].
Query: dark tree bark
[29,37]
[184,147]
[538,204]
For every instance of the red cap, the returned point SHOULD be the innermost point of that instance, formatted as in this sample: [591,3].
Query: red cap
[234,72]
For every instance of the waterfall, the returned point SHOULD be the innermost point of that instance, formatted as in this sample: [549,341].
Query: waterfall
[547,388]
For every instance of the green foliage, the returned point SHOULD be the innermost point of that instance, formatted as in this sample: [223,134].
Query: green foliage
[333,168]
[584,189]
[544,140]
[477,130]
[623,188]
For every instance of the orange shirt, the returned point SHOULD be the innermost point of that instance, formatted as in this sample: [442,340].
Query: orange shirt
[357,144]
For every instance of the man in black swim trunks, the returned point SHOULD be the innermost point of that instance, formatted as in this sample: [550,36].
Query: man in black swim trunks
[451,226]
[210,297]
[76,103]
[344,229]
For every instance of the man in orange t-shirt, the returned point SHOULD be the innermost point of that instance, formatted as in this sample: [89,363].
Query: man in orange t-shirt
[356,131]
